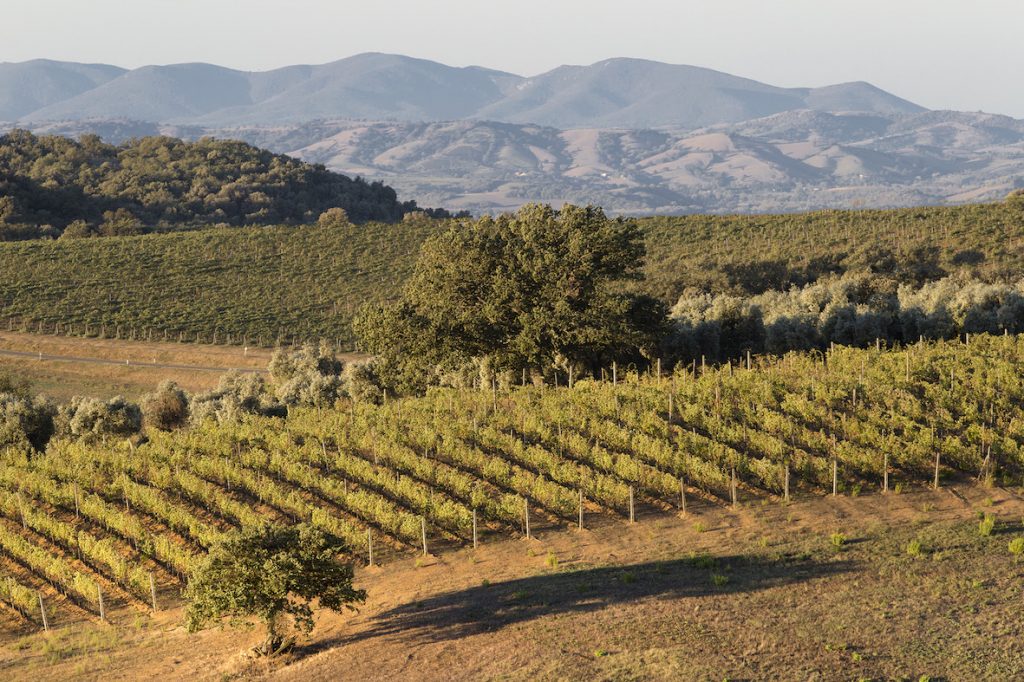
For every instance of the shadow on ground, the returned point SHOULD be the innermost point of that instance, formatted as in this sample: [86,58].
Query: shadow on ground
[491,607]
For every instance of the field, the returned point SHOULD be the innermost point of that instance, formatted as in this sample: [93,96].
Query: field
[760,592]
[774,469]
[256,286]
[104,368]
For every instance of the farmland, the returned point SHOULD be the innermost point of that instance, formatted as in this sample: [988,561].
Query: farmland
[89,525]
[256,286]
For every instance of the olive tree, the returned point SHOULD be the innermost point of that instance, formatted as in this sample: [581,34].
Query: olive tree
[166,408]
[271,573]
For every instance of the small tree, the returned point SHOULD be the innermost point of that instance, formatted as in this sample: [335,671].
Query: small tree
[267,573]
[334,218]
[166,408]
[78,229]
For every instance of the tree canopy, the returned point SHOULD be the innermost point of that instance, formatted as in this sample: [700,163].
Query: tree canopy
[47,182]
[534,290]
[268,572]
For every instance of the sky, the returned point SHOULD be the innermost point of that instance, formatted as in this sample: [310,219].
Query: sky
[942,54]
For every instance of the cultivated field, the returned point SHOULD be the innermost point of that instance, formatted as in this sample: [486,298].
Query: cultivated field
[842,503]
[259,285]
[756,592]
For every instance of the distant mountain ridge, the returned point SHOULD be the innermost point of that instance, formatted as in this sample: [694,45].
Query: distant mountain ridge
[614,93]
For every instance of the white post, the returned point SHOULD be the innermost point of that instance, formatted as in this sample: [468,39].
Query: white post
[423,531]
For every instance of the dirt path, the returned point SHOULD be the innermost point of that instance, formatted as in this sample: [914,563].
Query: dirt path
[126,363]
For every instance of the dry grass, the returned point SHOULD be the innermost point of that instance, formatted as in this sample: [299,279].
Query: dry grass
[144,365]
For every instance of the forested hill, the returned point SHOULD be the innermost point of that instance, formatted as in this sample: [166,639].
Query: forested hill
[165,182]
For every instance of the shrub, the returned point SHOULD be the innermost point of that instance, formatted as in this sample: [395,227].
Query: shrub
[986,525]
[94,419]
[837,540]
[237,394]
[25,422]
[915,548]
[306,376]
[166,408]
[1016,548]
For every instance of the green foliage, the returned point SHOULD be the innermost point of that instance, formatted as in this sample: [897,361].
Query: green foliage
[837,540]
[94,419]
[269,572]
[256,285]
[306,376]
[986,525]
[743,255]
[1016,547]
[528,290]
[166,182]
[306,283]
[24,421]
[915,548]
[237,394]
[853,310]
[166,408]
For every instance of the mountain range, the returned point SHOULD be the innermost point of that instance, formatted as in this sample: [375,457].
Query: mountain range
[622,93]
[632,135]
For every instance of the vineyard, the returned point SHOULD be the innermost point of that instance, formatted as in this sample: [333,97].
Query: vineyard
[90,529]
[259,286]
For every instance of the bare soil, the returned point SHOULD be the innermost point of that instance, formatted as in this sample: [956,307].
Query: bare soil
[763,591]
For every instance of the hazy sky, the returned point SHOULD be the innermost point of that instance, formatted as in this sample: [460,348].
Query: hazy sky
[958,54]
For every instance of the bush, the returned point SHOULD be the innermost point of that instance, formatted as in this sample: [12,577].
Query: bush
[166,408]
[94,419]
[306,376]
[237,394]
[362,383]
[25,422]
[1016,548]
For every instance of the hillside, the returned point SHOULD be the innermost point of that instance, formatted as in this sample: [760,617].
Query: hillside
[749,452]
[630,93]
[784,162]
[164,182]
[261,284]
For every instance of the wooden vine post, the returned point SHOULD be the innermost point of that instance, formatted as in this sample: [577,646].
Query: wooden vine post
[885,473]
[42,612]
[632,512]
[369,547]
[99,598]
[581,510]
[937,456]
[682,495]
[152,591]
[732,486]
[786,483]
[474,529]
[835,477]
[526,515]
[423,532]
